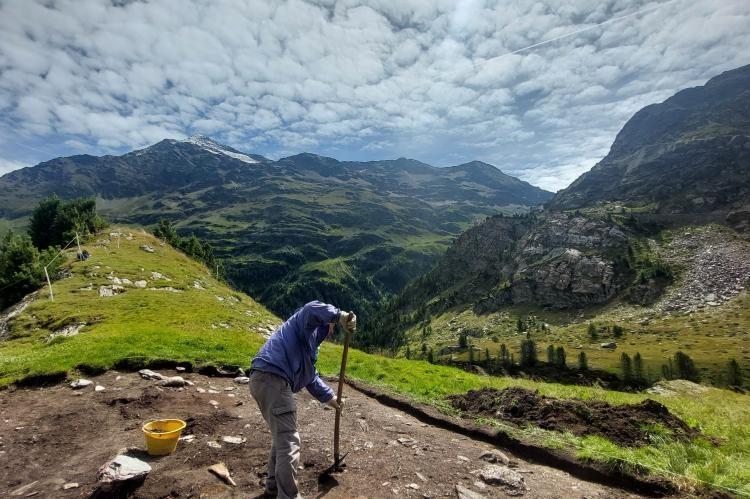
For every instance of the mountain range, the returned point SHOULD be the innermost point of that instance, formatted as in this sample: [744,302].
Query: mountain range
[291,230]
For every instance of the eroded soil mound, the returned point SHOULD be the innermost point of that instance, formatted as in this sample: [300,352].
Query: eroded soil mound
[627,425]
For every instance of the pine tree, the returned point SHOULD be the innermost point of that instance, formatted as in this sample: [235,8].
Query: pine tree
[560,358]
[638,374]
[734,374]
[463,341]
[667,370]
[408,352]
[519,325]
[431,357]
[592,332]
[550,354]
[583,363]
[504,355]
[487,354]
[627,367]
[685,367]
[528,353]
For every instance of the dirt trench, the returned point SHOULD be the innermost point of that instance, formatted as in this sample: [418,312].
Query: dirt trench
[53,436]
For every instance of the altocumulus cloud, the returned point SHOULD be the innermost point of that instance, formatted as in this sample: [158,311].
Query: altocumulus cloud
[439,81]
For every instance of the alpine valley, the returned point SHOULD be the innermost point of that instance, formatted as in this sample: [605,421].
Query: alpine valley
[291,230]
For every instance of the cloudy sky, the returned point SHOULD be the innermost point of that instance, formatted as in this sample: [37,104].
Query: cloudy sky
[537,88]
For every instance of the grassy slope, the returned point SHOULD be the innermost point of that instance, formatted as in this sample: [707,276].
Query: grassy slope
[197,326]
[711,337]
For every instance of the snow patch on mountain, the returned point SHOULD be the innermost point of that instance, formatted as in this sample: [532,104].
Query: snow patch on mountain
[214,148]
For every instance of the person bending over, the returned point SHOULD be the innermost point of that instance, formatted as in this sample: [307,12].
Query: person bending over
[284,365]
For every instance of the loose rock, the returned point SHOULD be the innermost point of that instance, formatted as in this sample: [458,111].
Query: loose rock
[120,470]
[511,481]
[233,440]
[149,374]
[80,383]
[175,381]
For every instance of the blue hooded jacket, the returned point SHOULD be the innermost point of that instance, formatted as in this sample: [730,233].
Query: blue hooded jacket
[292,350]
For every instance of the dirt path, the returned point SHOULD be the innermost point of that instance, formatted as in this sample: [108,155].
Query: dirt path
[55,436]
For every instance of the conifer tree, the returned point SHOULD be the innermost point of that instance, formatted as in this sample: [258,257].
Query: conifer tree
[734,374]
[550,354]
[638,373]
[627,367]
[583,363]
[560,358]
[592,332]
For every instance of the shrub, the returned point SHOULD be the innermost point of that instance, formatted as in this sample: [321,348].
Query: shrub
[22,267]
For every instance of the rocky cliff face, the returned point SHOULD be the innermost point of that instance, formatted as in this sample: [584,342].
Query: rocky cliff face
[578,266]
[688,154]
[554,260]
[564,262]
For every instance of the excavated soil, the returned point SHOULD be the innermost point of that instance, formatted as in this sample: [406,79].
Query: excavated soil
[53,436]
[627,425]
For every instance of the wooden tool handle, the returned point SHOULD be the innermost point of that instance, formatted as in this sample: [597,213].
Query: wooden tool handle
[338,396]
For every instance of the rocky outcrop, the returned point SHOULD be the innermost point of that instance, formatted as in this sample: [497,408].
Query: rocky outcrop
[555,260]
[568,261]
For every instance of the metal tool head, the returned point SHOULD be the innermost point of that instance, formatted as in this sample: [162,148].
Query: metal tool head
[336,467]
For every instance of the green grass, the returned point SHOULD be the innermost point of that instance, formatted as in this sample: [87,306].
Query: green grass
[711,337]
[217,325]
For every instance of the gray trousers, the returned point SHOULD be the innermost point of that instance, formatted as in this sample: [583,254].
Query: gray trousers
[276,402]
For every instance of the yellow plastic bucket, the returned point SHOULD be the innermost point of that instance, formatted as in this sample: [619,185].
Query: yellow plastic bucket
[162,435]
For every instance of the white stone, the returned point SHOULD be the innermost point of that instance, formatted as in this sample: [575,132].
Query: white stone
[242,380]
[149,374]
[99,388]
[80,383]
[501,475]
[233,440]
[140,284]
[71,485]
[123,468]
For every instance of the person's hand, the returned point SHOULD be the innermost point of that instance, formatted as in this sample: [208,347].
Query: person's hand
[335,405]
[348,320]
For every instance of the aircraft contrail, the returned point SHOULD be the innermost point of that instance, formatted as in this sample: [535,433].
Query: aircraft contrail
[544,42]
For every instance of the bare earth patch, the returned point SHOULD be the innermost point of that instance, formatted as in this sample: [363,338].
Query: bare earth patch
[56,436]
